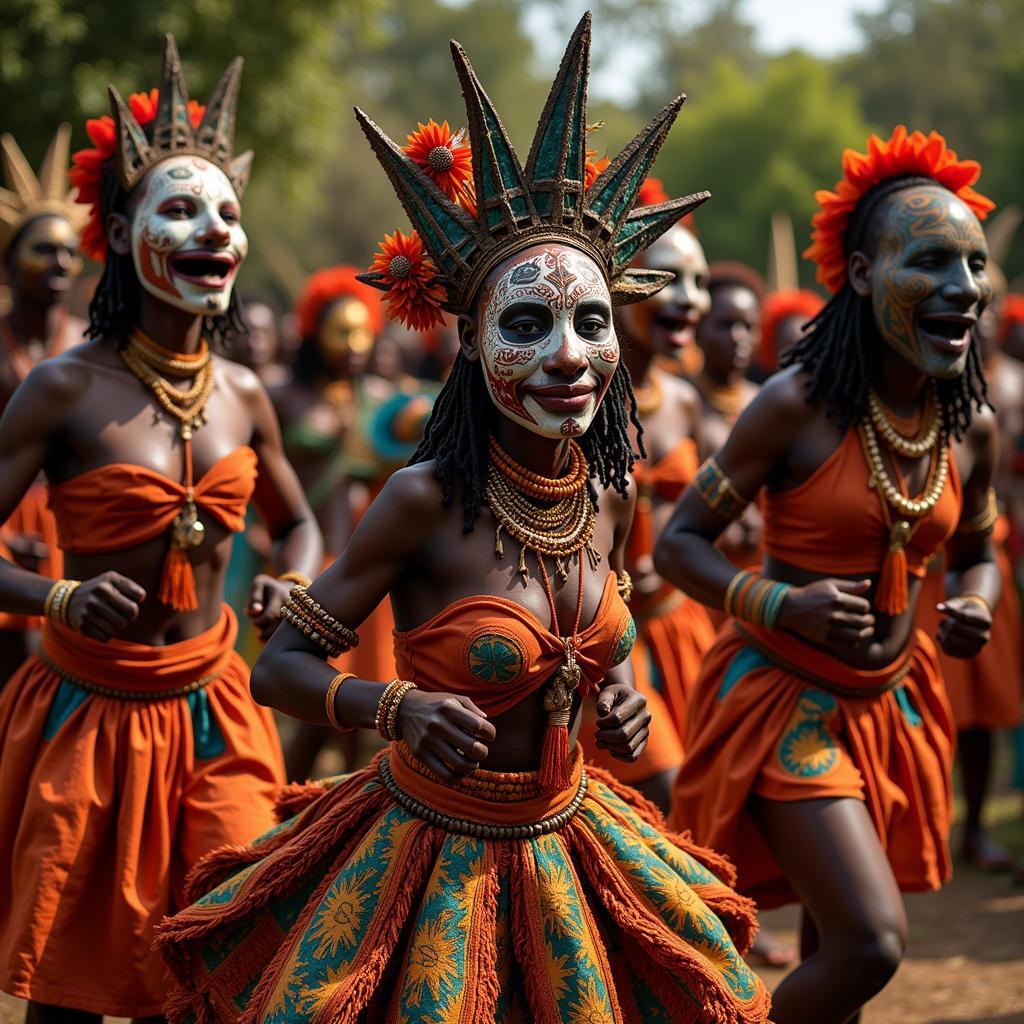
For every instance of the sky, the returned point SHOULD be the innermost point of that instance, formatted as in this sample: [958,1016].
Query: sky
[822,27]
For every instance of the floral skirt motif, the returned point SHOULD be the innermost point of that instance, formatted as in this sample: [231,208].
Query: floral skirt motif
[389,896]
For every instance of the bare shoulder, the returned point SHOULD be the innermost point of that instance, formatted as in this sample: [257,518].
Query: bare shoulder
[620,507]
[414,497]
[983,434]
[783,398]
[67,378]
[678,391]
[239,378]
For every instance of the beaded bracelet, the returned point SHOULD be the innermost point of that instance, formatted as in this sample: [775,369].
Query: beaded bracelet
[295,577]
[719,492]
[624,584]
[58,600]
[754,599]
[984,520]
[317,624]
[387,707]
[332,692]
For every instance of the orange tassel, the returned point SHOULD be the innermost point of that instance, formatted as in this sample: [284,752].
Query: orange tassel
[555,776]
[178,585]
[892,595]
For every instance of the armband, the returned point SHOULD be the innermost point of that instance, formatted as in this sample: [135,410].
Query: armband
[317,624]
[984,520]
[719,492]
[624,585]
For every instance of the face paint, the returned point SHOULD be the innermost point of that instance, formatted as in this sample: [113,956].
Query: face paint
[187,237]
[547,343]
[667,322]
[45,261]
[928,280]
[346,335]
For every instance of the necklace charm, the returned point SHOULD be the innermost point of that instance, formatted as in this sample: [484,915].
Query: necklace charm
[558,696]
[188,530]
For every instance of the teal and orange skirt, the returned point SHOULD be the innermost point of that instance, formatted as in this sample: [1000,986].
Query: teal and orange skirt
[389,896]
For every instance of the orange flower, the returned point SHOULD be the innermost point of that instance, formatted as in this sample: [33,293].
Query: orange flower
[414,295]
[651,193]
[902,154]
[594,168]
[87,164]
[445,160]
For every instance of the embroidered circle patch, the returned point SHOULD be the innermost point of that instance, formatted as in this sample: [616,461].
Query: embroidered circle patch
[494,658]
[626,641]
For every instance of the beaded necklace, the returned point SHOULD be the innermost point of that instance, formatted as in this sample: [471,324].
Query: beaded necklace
[923,441]
[151,364]
[727,399]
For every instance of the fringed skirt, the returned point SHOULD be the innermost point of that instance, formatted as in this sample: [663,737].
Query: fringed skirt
[389,896]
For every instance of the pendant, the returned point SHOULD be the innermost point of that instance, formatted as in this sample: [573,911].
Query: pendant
[188,530]
[899,534]
[558,696]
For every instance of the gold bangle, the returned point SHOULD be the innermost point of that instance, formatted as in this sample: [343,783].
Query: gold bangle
[624,584]
[984,520]
[978,599]
[51,595]
[295,577]
[72,586]
[332,692]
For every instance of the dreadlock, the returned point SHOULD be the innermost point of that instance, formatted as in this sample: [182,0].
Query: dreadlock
[840,347]
[460,424]
[114,307]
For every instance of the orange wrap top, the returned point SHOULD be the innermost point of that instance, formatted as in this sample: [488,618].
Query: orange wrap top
[833,522]
[497,652]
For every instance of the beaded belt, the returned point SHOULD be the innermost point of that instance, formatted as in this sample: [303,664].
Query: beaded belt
[464,827]
[826,684]
[134,695]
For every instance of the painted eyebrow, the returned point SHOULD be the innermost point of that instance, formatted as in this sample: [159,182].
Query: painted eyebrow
[521,306]
[593,305]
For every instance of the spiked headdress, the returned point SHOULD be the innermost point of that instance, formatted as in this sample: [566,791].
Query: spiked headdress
[515,206]
[154,126]
[27,196]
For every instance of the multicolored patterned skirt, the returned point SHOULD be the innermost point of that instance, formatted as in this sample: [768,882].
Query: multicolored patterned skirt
[390,896]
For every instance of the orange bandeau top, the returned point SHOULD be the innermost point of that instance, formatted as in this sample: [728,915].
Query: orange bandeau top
[833,522]
[496,652]
[671,475]
[121,505]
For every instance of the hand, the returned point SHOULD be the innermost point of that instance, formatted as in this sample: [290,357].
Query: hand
[623,721]
[829,612]
[27,550]
[966,627]
[104,605]
[265,600]
[447,732]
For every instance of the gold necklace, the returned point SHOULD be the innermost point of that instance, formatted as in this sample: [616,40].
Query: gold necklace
[911,508]
[728,399]
[649,398]
[913,447]
[558,529]
[188,406]
[164,361]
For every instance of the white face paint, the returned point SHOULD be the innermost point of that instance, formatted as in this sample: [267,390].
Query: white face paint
[187,237]
[547,342]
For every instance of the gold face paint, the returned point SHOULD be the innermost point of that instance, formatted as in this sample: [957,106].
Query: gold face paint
[346,329]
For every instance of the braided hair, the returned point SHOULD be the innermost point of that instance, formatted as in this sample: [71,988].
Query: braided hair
[456,437]
[839,350]
[114,307]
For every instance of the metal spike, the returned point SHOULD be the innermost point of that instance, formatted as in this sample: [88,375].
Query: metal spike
[53,175]
[216,133]
[20,177]
[133,150]
[555,169]
[643,226]
[239,170]
[172,129]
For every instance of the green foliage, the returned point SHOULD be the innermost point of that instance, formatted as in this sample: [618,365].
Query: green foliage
[760,144]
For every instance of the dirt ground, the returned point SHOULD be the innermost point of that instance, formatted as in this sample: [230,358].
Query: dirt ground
[965,961]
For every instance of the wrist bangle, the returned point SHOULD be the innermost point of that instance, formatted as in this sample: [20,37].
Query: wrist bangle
[295,577]
[387,707]
[58,598]
[332,692]
[978,599]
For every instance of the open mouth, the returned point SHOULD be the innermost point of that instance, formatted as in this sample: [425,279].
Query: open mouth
[204,268]
[949,331]
[678,328]
[564,398]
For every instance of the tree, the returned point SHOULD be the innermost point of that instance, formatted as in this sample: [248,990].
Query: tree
[760,144]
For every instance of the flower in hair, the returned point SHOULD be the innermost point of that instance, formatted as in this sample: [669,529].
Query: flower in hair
[87,164]
[902,154]
[445,160]
[414,293]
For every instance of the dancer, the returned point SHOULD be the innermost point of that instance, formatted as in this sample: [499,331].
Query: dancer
[453,880]
[785,315]
[130,746]
[39,224]
[820,740]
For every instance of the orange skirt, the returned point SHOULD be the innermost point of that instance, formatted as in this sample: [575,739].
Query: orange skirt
[758,728]
[32,517]
[676,634]
[107,801]
[985,692]
[664,751]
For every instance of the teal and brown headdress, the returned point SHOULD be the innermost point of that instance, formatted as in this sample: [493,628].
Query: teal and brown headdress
[471,211]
